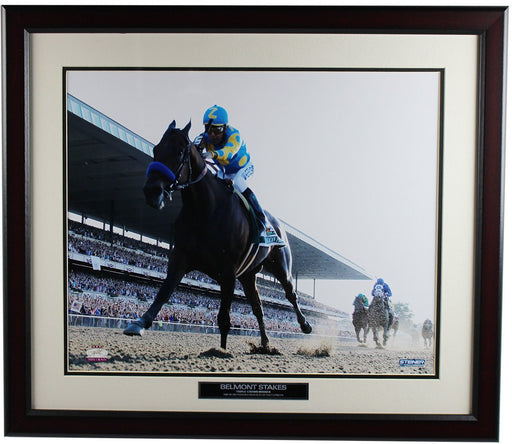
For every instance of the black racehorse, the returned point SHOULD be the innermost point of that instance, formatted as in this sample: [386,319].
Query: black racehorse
[212,234]
[380,316]
[360,322]
[427,331]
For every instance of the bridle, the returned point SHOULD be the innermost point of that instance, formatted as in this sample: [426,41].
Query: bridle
[174,179]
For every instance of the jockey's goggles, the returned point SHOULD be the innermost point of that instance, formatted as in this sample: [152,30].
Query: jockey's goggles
[215,129]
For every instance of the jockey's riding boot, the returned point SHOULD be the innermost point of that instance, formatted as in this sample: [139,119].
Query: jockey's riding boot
[268,236]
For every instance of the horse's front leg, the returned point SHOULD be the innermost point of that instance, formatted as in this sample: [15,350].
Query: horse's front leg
[175,272]
[385,335]
[227,289]
[376,336]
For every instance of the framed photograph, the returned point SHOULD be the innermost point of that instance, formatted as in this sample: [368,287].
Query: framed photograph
[286,228]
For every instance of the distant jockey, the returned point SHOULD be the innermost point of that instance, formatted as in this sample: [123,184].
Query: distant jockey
[360,302]
[381,287]
[224,145]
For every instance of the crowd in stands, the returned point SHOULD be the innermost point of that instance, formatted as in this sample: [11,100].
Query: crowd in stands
[115,253]
[110,286]
[116,239]
[128,298]
[111,297]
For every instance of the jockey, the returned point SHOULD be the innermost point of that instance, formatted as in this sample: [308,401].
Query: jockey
[381,286]
[360,302]
[224,145]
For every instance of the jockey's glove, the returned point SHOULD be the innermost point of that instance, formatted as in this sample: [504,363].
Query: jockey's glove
[207,155]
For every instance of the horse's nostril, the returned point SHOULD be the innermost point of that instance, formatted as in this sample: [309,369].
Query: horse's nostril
[154,192]
[151,189]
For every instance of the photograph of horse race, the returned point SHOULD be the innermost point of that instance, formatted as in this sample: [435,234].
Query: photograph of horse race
[252,222]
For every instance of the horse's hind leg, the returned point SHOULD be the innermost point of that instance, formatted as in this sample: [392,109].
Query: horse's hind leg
[277,265]
[292,297]
[357,334]
[251,292]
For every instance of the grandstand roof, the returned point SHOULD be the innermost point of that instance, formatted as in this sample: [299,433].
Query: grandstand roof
[106,172]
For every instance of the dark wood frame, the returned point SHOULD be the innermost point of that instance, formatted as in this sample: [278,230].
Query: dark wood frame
[487,23]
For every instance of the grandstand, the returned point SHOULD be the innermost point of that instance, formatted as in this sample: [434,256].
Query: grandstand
[117,249]
[119,278]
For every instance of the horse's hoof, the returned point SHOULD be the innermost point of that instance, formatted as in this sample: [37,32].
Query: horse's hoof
[380,347]
[263,349]
[134,329]
[306,328]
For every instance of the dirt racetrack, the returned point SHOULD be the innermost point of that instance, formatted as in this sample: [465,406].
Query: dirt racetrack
[93,349]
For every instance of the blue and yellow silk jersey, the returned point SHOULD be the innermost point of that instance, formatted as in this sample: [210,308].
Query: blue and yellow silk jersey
[231,154]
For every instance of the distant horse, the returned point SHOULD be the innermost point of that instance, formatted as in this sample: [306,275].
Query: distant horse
[360,317]
[427,331]
[213,234]
[380,316]
[360,322]
[395,326]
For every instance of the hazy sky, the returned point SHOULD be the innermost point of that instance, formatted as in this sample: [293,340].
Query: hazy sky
[349,158]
